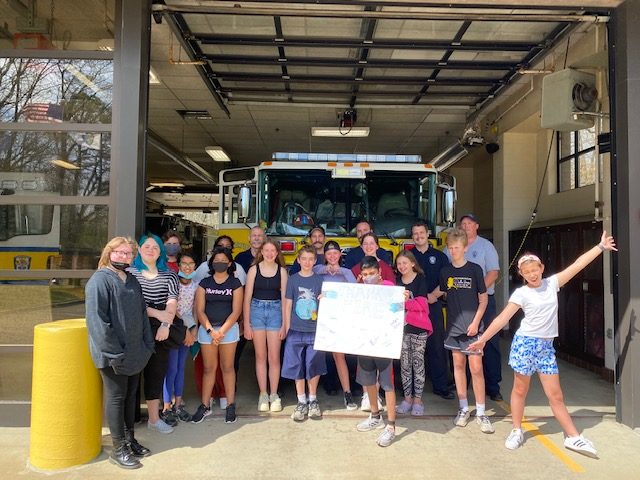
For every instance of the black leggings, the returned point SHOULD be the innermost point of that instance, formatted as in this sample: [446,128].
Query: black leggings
[119,402]
[155,372]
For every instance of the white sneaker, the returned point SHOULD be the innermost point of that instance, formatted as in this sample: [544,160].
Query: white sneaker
[223,403]
[581,445]
[276,403]
[365,405]
[370,424]
[514,440]
[263,402]
[387,436]
[462,418]
[485,424]
[160,427]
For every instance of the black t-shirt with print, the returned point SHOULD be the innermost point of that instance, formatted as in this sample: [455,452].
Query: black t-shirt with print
[219,298]
[462,286]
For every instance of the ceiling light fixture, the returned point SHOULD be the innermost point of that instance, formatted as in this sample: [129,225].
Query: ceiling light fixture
[217,153]
[449,156]
[166,184]
[339,132]
[153,77]
[194,114]
[345,128]
[106,44]
[64,164]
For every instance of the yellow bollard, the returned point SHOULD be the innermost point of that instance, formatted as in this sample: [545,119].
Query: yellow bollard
[66,399]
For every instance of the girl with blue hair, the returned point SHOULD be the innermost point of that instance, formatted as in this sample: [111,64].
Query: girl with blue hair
[160,291]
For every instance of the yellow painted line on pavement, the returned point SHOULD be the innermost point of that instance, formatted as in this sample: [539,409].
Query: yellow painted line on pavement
[546,442]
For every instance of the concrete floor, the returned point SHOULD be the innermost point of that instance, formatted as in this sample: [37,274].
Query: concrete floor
[273,446]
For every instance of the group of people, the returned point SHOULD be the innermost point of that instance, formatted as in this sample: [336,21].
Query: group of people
[148,307]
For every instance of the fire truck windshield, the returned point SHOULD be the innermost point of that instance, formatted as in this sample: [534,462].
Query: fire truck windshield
[294,201]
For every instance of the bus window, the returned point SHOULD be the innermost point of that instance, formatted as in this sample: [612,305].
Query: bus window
[16,220]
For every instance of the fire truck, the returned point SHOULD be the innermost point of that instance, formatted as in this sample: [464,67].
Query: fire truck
[293,192]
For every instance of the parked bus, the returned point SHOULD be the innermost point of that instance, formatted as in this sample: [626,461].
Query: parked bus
[294,192]
[29,233]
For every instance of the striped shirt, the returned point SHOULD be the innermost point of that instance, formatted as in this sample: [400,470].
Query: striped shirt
[159,290]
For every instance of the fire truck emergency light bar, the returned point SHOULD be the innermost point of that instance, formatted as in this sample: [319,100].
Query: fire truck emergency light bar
[345,157]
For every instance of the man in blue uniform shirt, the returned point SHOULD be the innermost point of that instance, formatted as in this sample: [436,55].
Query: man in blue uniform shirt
[432,261]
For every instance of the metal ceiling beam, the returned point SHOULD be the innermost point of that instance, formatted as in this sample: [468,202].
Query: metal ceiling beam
[552,39]
[277,22]
[323,92]
[358,63]
[367,30]
[179,158]
[448,5]
[396,44]
[453,14]
[443,60]
[335,103]
[180,29]
[266,77]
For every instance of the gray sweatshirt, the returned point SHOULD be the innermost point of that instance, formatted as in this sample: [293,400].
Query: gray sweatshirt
[119,331]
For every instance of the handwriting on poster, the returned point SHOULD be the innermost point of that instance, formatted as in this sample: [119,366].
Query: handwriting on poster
[361,319]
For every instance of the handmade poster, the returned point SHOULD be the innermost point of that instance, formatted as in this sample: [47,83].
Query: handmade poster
[361,319]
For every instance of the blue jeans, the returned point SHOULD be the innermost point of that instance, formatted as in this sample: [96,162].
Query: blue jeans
[174,379]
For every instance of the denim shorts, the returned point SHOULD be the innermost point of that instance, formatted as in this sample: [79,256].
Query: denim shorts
[266,314]
[232,336]
[531,354]
[301,360]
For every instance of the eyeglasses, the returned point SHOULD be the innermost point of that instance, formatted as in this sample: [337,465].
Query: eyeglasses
[187,264]
[122,253]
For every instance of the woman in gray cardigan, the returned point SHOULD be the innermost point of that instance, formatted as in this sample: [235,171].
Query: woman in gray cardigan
[120,342]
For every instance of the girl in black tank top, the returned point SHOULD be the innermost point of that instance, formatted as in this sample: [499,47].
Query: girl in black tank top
[263,302]
[267,288]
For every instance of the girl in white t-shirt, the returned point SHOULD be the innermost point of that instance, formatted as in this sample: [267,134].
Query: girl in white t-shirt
[532,347]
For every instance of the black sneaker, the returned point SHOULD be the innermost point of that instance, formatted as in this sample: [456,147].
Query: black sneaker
[496,397]
[168,417]
[348,402]
[202,412]
[182,414]
[446,395]
[230,416]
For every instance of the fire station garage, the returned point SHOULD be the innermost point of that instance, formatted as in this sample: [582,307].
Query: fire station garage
[208,117]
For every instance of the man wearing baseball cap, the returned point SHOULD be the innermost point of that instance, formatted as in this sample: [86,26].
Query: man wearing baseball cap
[481,251]
[316,237]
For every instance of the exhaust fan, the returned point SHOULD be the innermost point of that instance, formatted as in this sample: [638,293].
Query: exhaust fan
[566,96]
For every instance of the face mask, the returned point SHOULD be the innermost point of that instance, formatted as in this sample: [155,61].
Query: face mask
[219,267]
[172,249]
[188,276]
[122,266]
[371,279]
